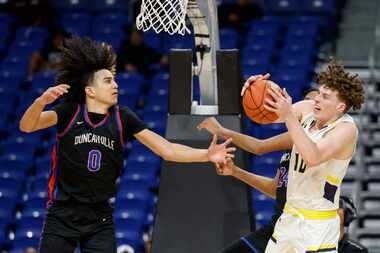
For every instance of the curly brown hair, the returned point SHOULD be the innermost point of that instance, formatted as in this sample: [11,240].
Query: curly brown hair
[349,86]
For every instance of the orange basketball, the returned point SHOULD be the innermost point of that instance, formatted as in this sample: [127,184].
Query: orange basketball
[253,102]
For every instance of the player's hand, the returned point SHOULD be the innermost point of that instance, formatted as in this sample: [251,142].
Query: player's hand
[53,93]
[226,169]
[211,125]
[281,104]
[251,80]
[218,153]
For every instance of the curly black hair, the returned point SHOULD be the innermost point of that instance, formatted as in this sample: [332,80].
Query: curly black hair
[349,86]
[81,58]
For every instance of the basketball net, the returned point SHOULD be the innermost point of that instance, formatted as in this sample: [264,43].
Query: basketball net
[163,15]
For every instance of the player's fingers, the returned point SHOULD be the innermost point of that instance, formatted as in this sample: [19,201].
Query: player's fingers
[214,139]
[266,76]
[53,92]
[270,102]
[243,89]
[230,155]
[274,94]
[61,90]
[227,142]
[269,108]
[64,86]
[200,126]
[277,91]
[285,93]
[232,149]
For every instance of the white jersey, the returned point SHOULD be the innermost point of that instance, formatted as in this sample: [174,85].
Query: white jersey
[318,187]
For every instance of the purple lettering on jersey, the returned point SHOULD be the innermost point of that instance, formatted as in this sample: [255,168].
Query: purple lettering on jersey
[283,178]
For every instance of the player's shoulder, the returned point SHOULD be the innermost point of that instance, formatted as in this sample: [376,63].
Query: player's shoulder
[347,124]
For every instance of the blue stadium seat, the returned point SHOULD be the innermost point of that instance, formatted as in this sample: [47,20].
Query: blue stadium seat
[135,194]
[327,7]
[145,177]
[283,6]
[72,5]
[262,30]
[27,233]
[133,165]
[125,78]
[21,163]
[303,31]
[229,38]
[263,218]
[31,33]
[154,41]
[19,150]
[129,85]
[81,29]
[129,230]
[128,213]
[75,17]
[9,187]
[8,78]
[40,183]
[300,46]
[129,101]
[114,6]
[19,245]
[11,173]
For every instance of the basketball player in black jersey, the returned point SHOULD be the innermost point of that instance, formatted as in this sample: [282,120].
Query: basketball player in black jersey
[88,155]
[256,242]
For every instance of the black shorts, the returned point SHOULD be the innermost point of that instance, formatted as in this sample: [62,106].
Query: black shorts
[255,242]
[71,224]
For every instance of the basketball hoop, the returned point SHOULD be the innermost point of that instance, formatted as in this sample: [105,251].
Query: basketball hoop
[163,15]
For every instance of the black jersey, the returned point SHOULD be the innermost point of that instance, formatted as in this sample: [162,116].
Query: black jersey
[283,170]
[88,156]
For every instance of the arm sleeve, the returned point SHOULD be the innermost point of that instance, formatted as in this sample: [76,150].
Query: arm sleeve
[65,112]
[132,124]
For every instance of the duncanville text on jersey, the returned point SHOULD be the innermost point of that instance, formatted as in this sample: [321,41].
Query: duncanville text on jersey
[93,138]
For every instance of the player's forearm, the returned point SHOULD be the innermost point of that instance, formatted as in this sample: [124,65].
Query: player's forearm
[264,184]
[246,142]
[257,146]
[305,146]
[30,118]
[182,153]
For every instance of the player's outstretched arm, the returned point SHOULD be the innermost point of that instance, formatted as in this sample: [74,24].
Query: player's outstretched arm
[265,185]
[217,153]
[34,118]
[246,142]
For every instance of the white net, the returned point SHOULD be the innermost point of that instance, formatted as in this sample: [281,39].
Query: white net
[163,15]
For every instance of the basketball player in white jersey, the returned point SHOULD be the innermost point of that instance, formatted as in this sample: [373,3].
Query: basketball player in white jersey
[323,139]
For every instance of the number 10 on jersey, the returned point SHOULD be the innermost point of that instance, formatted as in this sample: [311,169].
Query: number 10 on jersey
[299,164]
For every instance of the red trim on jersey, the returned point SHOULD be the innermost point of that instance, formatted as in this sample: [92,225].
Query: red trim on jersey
[119,123]
[70,124]
[89,121]
[52,180]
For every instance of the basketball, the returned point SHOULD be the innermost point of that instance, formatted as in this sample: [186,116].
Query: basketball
[253,102]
